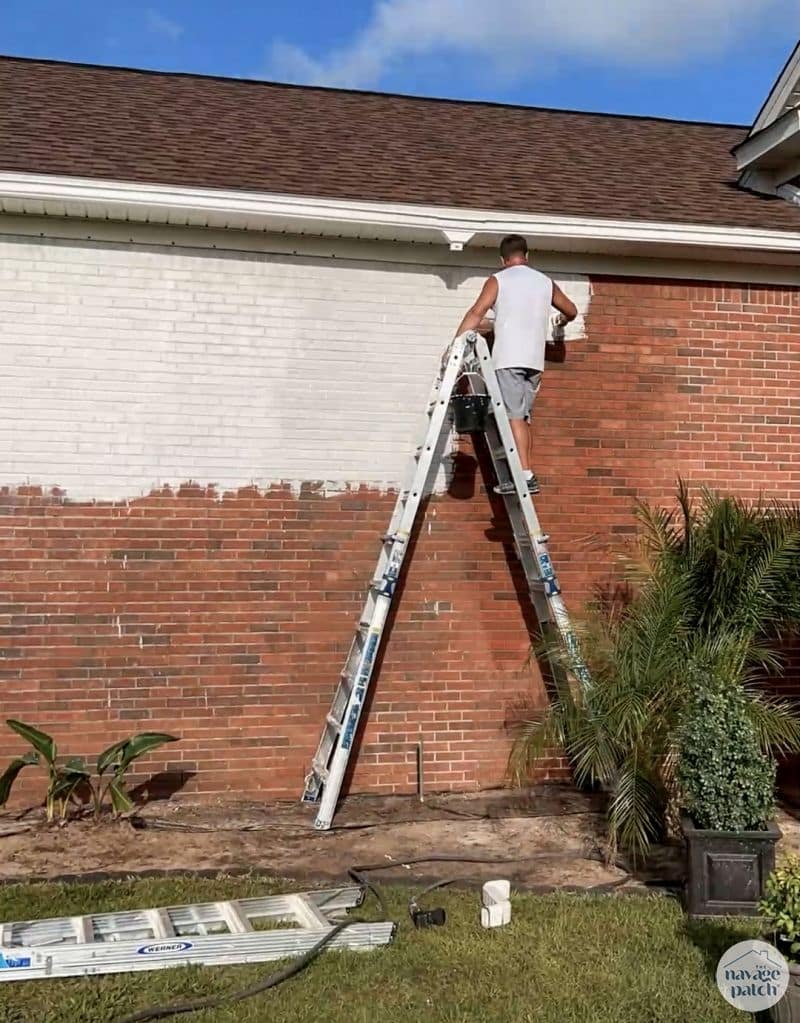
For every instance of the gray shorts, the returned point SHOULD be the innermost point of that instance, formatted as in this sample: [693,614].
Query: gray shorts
[519,387]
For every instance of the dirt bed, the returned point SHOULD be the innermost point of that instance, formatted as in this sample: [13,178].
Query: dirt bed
[559,830]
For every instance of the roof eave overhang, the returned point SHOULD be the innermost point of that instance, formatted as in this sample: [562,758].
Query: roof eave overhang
[771,157]
[94,199]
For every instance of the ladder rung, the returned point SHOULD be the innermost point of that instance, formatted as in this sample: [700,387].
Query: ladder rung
[320,771]
[527,542]
[336,725]
[234,917]
[159,920]
[84,931]
[547,590]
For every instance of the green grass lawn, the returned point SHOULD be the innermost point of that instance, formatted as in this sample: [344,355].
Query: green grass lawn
[563,959]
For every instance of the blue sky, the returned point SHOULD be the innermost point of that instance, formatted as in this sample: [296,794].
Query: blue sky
[698,59]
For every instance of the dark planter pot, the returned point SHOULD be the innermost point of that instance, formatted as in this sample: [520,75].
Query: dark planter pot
[788,1008]
[727,869]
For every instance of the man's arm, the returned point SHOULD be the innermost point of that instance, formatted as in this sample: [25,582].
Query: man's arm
[565,305]
[482,305]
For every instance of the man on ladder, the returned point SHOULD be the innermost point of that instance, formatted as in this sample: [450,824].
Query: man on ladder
[521,298]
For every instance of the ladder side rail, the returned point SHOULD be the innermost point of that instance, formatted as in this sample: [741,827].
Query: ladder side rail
[341,694]
[522,541]
[507,438]
[75,960]
[527,511]
[389,562]
[425,466]
[373,616]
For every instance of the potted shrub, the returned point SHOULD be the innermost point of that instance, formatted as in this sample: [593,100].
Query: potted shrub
[727,785]
[781,907]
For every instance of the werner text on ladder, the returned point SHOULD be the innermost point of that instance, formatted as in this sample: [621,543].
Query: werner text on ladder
[521,299]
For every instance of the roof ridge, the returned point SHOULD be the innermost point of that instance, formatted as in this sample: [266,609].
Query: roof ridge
[265,83]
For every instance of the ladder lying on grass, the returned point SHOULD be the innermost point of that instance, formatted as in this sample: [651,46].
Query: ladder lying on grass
[209,934]
[467,357]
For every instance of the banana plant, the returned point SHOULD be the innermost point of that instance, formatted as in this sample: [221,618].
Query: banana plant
[117,759]
[66,782]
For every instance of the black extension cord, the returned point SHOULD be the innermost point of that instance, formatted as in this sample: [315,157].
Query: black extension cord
[218,1001]
[420,918]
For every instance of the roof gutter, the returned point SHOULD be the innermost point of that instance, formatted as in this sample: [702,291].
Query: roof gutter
[94,199]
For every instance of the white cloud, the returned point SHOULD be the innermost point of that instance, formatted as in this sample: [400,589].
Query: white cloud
[162,26]
[522,38]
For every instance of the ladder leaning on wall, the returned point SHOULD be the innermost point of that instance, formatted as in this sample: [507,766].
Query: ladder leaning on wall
[467,358]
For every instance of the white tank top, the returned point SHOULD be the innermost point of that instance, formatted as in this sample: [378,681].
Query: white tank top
[522,316]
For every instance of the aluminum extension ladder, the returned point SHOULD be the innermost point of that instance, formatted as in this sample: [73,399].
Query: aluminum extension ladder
[468,356]
[209,934]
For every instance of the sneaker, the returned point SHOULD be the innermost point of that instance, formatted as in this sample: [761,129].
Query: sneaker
[505,488]
[509,488]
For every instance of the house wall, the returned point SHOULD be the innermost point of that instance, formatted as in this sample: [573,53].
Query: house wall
[198,457]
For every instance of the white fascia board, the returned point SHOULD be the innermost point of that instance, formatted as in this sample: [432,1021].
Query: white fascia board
[772,148]
[782,90]
[50,195]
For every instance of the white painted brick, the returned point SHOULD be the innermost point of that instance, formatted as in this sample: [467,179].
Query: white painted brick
[125,367]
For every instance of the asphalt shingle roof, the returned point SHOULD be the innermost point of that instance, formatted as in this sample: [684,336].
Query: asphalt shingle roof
[190,130]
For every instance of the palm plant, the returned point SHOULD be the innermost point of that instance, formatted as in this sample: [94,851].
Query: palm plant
[716,585]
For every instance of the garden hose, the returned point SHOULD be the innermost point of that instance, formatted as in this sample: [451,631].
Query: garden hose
[218,1001]
[420,918]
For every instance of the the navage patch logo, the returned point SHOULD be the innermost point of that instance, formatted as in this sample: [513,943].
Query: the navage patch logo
[752,976]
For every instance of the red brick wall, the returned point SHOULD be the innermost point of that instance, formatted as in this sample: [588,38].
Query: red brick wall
[225,618]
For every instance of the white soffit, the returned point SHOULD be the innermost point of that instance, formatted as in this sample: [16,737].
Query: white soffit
[774,148]
[91,199]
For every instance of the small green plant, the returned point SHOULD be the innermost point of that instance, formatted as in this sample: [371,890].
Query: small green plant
[68,781]
[781,905]
[726,780]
